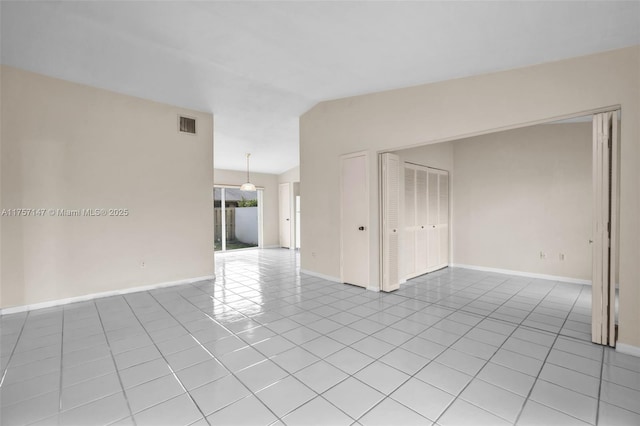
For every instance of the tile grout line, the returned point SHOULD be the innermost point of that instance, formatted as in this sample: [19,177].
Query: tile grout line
[6,369]
[448,347]
[528,398]
[600,383]
[113,360]
[599,400]
[60,388]
[517,326]
[489,360]
[349,375]
[352,375]
[251,286]
[213,357]
[267,358]
[400,318]
[452,311]
[165,360]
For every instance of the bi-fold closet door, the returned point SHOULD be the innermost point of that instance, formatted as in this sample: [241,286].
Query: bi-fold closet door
[426,215]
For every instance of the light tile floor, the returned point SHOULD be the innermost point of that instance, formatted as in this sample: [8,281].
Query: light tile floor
[266,345]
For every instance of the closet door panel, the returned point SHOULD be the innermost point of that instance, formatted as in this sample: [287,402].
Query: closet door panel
[409,221]
[433,237]
[421,221]
[426,219]
[443,218]
[433,218]
[390,165]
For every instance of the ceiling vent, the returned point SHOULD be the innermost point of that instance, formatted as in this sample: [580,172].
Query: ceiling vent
[187,125]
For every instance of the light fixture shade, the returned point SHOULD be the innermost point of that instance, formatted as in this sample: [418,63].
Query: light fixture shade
[248,187]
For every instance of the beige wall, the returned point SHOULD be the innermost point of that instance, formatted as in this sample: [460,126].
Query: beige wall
[455,109]
[291,175]
[69,146]
[522,192]
[269,183]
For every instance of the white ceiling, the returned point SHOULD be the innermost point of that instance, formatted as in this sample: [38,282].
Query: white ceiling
[259,65]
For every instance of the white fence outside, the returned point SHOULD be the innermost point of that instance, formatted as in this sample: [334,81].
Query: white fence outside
[246,226]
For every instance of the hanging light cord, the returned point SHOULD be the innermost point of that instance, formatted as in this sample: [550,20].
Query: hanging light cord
[248,167]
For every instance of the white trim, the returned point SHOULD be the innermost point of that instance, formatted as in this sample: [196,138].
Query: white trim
[524,274]
[282,213]
[623,348]
[319,275]
[86,297]
[260,197]
[223,218]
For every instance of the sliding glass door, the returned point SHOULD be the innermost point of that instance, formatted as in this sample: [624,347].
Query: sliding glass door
[237,217]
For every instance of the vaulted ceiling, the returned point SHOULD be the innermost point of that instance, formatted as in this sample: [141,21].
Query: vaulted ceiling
[257,66]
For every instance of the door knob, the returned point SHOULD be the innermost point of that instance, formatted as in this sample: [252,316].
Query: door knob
[287,219]
[590,241]
[361,228]
[422,227]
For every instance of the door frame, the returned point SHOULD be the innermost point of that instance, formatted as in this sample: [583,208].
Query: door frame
[280,218]
[297,203]
[368,213]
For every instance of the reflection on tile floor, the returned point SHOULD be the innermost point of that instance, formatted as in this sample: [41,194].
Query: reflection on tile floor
[266,345]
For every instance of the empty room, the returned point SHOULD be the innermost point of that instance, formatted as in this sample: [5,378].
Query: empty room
[319,213]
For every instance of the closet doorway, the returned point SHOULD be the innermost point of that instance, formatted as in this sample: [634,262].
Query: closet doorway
[426,209]
[537,201]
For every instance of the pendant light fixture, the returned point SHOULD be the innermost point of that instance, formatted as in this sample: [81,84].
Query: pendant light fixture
[248,186]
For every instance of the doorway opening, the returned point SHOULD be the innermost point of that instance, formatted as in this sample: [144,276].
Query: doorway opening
[537,201]
[237,218]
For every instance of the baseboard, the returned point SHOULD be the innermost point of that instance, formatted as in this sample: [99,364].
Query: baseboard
[524,274]
[623,348]
[86,297]
[319,275]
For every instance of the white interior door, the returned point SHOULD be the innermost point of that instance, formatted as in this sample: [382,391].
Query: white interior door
[285,214]
[605,242]
[354,207]
[390,197]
